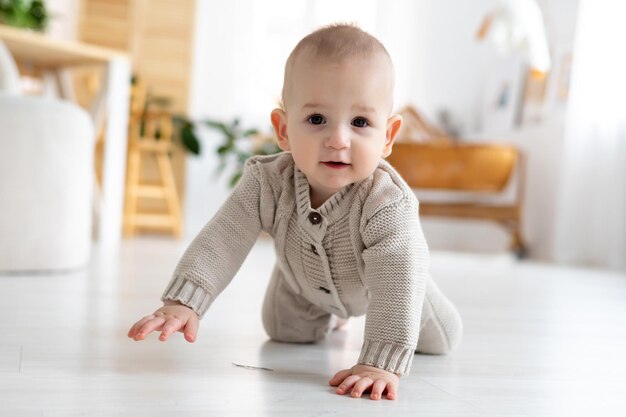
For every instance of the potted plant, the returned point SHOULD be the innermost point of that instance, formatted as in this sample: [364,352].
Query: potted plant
[239,143]
[234,151]
[24,14]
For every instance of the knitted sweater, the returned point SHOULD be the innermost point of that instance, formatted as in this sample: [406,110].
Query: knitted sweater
[361,252]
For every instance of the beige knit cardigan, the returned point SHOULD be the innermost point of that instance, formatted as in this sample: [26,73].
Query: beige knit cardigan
[370,258]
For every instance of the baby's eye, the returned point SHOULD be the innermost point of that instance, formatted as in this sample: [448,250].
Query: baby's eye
[360,122]
[316,119]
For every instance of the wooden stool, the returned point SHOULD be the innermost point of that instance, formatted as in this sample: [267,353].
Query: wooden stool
[150,136]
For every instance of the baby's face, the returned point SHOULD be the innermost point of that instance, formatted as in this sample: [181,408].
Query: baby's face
[338,121]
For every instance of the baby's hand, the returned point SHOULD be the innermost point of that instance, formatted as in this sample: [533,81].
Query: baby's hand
[171,317]
[361,378]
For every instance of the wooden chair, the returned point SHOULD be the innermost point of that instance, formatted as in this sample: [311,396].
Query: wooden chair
[437,162]
[150,136]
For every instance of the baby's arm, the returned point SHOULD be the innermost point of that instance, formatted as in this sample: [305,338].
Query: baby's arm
[172,317]
[361,378]
[211,261]
[395,260]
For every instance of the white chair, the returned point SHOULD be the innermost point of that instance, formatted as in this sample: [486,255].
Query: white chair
[46,184]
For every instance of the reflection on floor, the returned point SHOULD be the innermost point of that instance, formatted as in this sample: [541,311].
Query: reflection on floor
[540,340]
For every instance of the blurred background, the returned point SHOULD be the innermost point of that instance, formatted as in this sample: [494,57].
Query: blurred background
[515,109]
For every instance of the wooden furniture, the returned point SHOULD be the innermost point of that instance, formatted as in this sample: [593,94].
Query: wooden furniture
[415,128]
[474,170]
[158,35]
[37,51]
[150,138]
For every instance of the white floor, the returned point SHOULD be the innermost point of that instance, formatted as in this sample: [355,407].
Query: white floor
[539,340]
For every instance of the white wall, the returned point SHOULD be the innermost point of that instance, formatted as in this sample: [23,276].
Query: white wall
[451,62]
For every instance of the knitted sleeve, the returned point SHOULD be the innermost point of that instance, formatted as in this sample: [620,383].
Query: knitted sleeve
[215,255]
[396,268]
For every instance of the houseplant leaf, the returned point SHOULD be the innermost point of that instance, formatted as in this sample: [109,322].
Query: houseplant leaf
[189,139]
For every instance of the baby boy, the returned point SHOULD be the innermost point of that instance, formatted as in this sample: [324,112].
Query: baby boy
[345,225]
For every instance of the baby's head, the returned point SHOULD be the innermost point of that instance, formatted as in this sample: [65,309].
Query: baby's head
[336,44]
[337,100]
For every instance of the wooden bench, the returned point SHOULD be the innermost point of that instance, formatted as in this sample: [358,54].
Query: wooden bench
[474,170]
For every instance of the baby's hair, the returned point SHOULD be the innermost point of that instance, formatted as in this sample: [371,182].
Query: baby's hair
[336,42]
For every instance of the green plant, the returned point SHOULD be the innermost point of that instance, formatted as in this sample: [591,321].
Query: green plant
[185,133]
[24,14]
[183,127]
[239,144]
[232,150]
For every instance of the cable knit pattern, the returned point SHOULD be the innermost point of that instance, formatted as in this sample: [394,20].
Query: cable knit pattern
[362,251]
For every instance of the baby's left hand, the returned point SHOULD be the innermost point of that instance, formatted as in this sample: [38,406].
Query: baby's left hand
[361,378]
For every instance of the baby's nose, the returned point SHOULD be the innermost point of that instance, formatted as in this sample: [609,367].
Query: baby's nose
[339,138]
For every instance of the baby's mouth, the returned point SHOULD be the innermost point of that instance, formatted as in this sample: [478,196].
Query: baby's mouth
[336,164]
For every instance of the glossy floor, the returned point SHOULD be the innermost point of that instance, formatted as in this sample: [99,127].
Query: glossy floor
[540,340]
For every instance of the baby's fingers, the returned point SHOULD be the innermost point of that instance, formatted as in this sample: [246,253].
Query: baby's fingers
[150,326]
[378,389]
[138,325]
[339,377]
[360,386]
[170,326]
[392,390]
[347,384]
[191,329]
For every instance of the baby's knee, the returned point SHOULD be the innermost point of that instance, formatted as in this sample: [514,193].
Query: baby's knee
[289,317]
[282,331]
[441,334]
[437,340]
[281,326]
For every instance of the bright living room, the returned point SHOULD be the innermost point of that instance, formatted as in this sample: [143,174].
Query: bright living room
[543,336]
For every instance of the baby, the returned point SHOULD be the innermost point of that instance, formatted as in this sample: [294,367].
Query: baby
[345,225]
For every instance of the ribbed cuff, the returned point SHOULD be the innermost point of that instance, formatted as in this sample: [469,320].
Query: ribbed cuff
[388,356]
[188,293]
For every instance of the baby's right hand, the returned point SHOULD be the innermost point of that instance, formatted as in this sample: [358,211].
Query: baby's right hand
[171,317]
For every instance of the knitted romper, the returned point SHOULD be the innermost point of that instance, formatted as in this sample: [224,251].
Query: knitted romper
[361,252]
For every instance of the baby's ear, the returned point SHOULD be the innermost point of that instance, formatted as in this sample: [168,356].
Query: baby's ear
[394,123]
[279,121]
